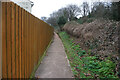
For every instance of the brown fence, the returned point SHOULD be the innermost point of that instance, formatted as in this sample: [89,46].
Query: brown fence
[24,40]
[0,41]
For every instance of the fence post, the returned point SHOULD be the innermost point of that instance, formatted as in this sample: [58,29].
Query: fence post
[0,40]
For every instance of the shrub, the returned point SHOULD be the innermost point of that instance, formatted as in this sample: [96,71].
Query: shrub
[61,20]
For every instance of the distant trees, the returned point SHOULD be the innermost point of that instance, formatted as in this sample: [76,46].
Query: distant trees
[100,9]
[44,18]
[63,15]
[106,10]
[73,11]
[61,20]
[115,9]
[96,10]
[52,21]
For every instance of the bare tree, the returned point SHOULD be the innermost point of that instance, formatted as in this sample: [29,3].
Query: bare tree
[73,11]
[85,8]
[67,13]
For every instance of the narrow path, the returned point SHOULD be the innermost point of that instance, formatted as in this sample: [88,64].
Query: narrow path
[55,63]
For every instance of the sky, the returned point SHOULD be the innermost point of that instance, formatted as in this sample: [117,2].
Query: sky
[46,7]
[43,8]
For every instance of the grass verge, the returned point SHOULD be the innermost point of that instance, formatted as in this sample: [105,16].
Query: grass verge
[83,64]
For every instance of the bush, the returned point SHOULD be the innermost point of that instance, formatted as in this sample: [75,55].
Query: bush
[61,21]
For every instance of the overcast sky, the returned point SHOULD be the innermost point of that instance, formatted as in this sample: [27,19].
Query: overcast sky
[45,7]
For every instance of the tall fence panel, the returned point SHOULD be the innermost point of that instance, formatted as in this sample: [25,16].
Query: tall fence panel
[24,40]
[0,40]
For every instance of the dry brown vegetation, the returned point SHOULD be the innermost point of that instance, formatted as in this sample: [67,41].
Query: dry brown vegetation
[100,36]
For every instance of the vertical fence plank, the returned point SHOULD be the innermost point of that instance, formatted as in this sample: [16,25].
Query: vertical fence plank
[0,40]
[13,40]
[17,42]
[33,43]
[9,39]
[29,45]
[22,53]
[30,33]
[27,56]
[25,44]
[20,32]
[24,41]
[4,56]
[32,63]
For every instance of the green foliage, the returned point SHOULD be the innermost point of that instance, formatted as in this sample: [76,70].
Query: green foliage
[85,20]
[106,10]
[101,68]
[81,53]
[80,21]
[83,64]
[92,44]
[61,20]
[115,6]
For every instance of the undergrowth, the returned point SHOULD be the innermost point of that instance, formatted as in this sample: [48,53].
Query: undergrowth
[83,64]
[85,20]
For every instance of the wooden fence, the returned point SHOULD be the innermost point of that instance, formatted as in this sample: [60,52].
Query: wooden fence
[24,40]
[0,41]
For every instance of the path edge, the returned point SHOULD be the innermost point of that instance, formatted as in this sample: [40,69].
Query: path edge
[66,55]
[40,60]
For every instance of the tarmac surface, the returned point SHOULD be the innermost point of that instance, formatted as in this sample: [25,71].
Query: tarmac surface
[55,64]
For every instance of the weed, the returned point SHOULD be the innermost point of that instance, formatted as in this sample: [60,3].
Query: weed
[86,66]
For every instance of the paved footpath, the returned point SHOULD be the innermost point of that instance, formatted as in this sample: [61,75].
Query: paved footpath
[55,64]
